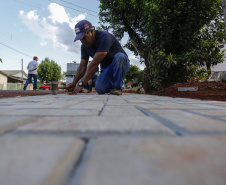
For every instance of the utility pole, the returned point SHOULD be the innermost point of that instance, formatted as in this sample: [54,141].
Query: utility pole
[22,71]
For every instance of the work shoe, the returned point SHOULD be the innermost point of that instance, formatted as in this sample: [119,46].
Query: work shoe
[116,92]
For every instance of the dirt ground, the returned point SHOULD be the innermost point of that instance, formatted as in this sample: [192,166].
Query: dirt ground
[20,93]
[206,91]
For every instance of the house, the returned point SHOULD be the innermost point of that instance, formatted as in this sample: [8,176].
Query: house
[16,74]
[219,71]
[5,79]
[71,72]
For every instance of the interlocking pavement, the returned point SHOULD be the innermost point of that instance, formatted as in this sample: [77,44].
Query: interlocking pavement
[91,139]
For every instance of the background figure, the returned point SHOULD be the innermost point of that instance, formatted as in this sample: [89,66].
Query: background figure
[32,73]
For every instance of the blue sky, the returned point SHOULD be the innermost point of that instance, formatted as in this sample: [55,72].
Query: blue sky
[45,29]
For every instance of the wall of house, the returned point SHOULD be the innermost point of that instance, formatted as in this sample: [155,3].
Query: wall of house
[219,75]
[71,72]
[3,82]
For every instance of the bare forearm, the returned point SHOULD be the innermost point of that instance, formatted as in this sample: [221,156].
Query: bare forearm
[93,65]
[34,68]
[89,72]
[80,73]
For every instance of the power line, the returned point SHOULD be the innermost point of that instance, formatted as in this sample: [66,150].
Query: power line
[33,3]
[72,8]
[28,4]
[15,50]
[79,6]
[7,57]
[9,39]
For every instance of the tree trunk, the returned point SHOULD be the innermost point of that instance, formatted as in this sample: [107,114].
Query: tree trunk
[147,74]
[208,67]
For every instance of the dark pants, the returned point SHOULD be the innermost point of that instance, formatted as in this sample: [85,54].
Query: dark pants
[89,87]
[29,80]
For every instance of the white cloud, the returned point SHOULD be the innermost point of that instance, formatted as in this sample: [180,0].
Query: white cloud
[58,13]
[58,27]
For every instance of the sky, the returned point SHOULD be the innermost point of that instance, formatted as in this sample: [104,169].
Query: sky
[45,28]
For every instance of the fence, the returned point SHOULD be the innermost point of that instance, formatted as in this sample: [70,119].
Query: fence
[11,86]
[1,86]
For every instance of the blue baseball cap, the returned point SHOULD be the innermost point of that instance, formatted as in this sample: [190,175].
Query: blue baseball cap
[80,28]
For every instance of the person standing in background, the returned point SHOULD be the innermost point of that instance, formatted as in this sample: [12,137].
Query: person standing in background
[32,68]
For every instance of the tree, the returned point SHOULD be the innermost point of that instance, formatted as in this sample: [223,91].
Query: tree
[212,40]
[134,73]
[49,71]
[161,32]
[1,60]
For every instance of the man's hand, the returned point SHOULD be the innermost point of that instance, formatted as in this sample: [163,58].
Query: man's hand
[70,87]
[90,82]
[76,90]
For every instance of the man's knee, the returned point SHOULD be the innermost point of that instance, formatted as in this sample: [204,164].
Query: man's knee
[102,89]
[99,90]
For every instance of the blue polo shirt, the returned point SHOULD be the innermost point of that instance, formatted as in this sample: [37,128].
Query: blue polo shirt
[105,42]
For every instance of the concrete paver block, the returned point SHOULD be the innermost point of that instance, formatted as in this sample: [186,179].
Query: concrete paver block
[158,161]
[124,111]
[193,122]
[54,112]
[37,160]
[99,125]
[166,105]
[9,123]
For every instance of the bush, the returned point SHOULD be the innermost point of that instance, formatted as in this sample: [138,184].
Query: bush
[49,71]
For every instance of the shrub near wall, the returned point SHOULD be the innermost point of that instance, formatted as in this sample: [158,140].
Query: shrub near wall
[39,84]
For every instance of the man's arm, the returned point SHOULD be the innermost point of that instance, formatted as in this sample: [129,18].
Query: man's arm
[98,57]
[33,69]
[80,73]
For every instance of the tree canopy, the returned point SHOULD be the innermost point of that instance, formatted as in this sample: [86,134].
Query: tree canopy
[0,60]
[210,50]
[49,71]
[134,73]
[162,32]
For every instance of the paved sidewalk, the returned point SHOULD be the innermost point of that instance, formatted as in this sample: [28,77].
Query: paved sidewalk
[91,139]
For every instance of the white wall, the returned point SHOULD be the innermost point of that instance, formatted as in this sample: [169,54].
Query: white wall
[3,80]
